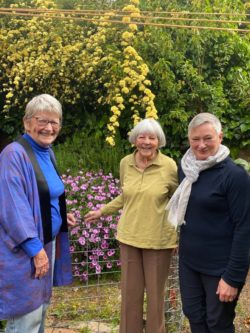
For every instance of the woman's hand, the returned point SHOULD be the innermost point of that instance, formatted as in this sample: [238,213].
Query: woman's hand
[225,292]
[92,215]
[41,263]
[71,219]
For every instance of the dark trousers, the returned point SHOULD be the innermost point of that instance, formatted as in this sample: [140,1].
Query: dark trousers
[205,312]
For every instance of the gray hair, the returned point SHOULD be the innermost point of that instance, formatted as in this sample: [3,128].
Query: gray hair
[205,117]
[150,126]
[43,103]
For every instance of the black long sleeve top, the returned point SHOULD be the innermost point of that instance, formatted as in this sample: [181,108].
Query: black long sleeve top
[216,237]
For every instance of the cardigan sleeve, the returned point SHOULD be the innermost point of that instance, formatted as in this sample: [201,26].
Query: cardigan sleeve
[238,196]
[16,215]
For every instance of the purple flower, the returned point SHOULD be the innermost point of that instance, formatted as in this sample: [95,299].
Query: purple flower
[92,244]
[85,233]
[109,265]
[110,252]
[82,241]
[98,269]
[75,230]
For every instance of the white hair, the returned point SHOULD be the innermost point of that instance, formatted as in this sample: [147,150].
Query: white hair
[150,126]
[43,103]
[205,117]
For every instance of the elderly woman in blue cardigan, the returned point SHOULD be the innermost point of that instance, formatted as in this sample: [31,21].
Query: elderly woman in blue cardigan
[212,205]
[34,246]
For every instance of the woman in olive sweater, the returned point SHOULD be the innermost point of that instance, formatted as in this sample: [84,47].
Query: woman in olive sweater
[148,179]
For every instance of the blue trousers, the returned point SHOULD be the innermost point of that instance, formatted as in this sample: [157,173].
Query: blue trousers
[205,312]
[34,321]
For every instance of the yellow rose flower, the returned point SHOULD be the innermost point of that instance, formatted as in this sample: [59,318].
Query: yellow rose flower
[125,90]
[9,95]
[141,87]
[113,119]
[130,8]
[141,77]
[147,91]
[126,70]
[147,82]
[126,19]
[122,83]
[121,107]
[145,99]
[114,109]
[137,14]
[133,27]
[111,128]
[110,140]
[130,50]
[119,100]
[127,36]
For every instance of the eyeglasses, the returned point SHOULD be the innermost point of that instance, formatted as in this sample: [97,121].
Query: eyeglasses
[44,122]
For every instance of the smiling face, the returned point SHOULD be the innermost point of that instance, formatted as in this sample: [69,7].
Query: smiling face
[204,141]
[43,132]
[146,145]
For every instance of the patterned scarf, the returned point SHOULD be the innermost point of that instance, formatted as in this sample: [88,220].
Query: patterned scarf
[191,167]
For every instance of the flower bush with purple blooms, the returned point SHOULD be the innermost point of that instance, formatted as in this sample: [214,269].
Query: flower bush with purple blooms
[93,246]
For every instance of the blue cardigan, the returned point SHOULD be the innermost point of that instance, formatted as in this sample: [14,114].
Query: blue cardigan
[216,237]
[20,219]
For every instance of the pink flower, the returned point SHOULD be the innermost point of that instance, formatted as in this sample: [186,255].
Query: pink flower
[82,241]
[109,265]
[111,252]
[92,244]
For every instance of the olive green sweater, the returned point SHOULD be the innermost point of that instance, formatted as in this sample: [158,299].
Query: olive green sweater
[144,196]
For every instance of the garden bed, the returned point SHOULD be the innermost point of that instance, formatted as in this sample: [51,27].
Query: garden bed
[95,309]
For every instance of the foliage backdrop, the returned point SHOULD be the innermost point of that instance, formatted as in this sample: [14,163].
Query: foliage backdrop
[108,76]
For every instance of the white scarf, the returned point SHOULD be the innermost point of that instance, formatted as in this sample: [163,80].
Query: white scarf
[191,167]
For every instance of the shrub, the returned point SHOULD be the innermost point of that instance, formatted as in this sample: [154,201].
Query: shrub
[83,151]
[245,164]
[93,245]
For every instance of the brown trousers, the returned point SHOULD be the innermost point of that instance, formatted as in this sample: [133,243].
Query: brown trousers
[143,269]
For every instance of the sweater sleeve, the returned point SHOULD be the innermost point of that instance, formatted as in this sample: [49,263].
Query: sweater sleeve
[238,196]
[117,203]
[32,246]
[113,206]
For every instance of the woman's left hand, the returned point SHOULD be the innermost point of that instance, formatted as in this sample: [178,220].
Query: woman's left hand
[71,220]
[226,292]
[41,263]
